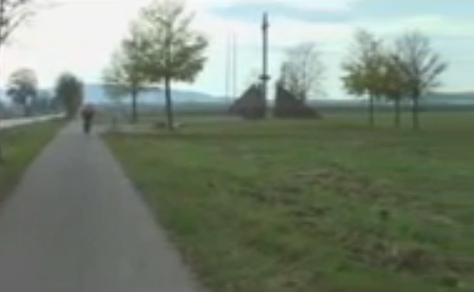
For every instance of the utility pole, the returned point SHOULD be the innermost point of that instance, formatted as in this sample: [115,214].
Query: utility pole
[265,77]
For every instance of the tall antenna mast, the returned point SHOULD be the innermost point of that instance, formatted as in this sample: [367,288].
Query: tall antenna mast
[235,63]
[265,77]
[227,70]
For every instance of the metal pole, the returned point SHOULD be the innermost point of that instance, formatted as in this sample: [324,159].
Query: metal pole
[265,77]
[235,66]
[227,70]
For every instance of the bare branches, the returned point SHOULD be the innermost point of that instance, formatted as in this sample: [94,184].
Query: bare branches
[303,72]
[14,13]
[421,65]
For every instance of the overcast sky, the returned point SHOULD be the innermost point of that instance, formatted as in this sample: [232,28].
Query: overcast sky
[79,35]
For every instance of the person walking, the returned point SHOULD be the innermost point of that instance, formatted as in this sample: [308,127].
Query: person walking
[88,113]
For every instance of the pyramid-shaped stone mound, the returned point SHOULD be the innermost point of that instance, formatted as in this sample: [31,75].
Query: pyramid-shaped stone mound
[251,105]
[288,106]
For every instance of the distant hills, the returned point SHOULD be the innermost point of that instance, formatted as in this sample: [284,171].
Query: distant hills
[95,93]
[461,98]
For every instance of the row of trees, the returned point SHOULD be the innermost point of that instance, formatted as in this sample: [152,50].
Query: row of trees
[23,83]
[13,13]
[161,48]
[24,91]
[406,69]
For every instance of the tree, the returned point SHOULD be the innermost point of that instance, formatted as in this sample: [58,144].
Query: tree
[70,92]
[364,68]
[124,75]
[23,89]
[172,51]
[302,72]
[421,67]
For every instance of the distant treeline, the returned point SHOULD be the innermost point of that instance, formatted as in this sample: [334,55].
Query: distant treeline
[203,109]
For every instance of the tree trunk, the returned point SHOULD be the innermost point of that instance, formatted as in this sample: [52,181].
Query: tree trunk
[372,111]
[416,110]
[134,107]
[169,104]
[398,112]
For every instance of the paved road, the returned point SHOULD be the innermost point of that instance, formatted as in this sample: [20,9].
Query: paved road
[4,124]
[75,224]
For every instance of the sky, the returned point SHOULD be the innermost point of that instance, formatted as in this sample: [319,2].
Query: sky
[79,36]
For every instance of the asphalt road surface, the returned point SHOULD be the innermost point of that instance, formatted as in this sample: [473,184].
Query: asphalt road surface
[75,224]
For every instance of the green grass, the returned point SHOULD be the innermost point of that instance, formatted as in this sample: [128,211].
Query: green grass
[315,206]
[20,146]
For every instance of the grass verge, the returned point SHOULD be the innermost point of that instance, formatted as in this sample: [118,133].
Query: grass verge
[314,206]
[20,146]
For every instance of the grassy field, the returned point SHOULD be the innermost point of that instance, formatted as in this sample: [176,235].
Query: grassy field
[20,146]
[310,206]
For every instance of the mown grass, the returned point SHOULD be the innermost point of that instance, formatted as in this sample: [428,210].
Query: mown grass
[315,206]
[20,146]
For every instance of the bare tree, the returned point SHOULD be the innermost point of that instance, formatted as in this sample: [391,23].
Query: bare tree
[302,73]
[364,69]
[421,67]
[173,51]
[14,13]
